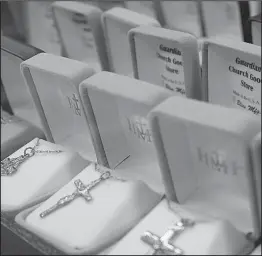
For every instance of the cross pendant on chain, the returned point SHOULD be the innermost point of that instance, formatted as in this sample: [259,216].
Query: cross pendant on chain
[82,190]
[161,245]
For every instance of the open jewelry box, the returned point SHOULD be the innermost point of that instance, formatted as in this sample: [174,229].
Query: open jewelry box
[116,108]
[13,53]
[173,58]
[207,168]
[16,132]
[240,64]
[80,29]
[53,83]
[37,176]
[116,24]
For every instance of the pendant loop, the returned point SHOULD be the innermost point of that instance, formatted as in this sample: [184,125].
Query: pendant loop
[30,153]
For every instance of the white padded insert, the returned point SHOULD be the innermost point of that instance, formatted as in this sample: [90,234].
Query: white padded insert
[115,204]
[209,237]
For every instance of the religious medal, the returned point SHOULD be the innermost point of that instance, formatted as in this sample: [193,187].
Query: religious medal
[161,245]
[9,166]
[82,190]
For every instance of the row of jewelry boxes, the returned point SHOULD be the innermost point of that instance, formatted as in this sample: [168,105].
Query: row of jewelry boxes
[72,20]
[207,162]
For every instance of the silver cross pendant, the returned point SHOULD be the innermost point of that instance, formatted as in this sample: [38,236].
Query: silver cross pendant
[161,245]
[9,166]
[82,190]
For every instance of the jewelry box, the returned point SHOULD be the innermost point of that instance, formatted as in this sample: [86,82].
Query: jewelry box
[226,21]
[39,17]
[209,180]
[90,227]
[54,82]
[143,7]
[182,16]
[116,23]
[80,29]
[116,107]
[16,132]
[35,173]
[13,53]
[239,86]
[167,58]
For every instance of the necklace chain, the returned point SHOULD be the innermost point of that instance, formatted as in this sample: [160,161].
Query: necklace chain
[9,166]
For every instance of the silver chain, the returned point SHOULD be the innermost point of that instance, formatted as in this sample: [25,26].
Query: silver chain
[107,173]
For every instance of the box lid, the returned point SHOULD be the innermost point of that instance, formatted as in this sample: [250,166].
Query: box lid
[173,58]
[116,24]
[182,16]
[12,54]
[79,26]
[53,83]
[206,161]
[231,74]
[117,108]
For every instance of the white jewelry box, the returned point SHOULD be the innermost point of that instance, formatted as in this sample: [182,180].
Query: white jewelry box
[80,29]
[224,21]
[40,25]
[13,53]
[53,83]
[84,227]
[16,132]
[116,107]
[167,58]
[182,16]
[189,136]
[257,251]
[143,7]
[116,24]
[39,176]
[256,29]
[231,74]
[207,163]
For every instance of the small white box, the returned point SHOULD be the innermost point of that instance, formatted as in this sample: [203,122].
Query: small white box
[182,16]
[257,251]
[231,74]
[40,25]
[53,83]
[205,155]
[39,176]
[116,107]
[222,18]
[256,29]
[116,23]
[143,7]
[166,58]
[83,227]
[13,53]
[81,32]
[15,133]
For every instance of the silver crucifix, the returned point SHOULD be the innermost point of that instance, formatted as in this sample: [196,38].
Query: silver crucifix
[81,190]
[161,245]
